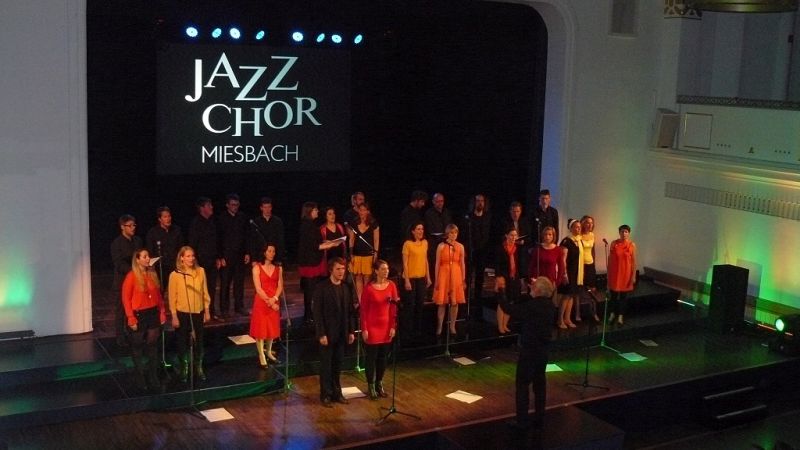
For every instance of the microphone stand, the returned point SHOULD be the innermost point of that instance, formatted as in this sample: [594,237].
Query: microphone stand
[393,409]
[360,237]
[605,307]
[449,306]
[164,364]
[288,386]
[585,384]
[471,260]
[192,337]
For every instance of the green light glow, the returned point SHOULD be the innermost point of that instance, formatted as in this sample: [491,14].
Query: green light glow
[779,325]
[16,282]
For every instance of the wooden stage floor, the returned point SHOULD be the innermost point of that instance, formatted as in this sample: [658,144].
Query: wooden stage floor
[297,420]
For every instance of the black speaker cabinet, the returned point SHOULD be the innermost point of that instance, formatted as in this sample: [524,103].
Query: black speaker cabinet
[728,294]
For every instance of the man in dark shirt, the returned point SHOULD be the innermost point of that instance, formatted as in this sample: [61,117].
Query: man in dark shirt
[544,215]
[412,214]
[266,228]
[350,217]
[335,328]
[536,317]
[437,217]
[164,240]
[203,239]
[476,234]
[122,249]
[235,257]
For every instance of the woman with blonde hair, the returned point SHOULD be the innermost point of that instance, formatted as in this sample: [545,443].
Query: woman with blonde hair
[449,278]
[189,305]
[145,312]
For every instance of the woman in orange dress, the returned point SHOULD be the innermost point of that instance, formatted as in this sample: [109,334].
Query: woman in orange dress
[449,280]
[621,273]
[265,324]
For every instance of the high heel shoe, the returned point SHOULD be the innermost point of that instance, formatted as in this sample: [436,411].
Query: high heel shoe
[571,325]
[562,325]
[272,356]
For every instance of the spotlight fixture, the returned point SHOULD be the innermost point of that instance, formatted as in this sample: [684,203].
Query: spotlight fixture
[260,35]
[358,39]
[235,33]
[787,338]
[336,38]
[320,37]
[297,36]
[192,32]
[216,33]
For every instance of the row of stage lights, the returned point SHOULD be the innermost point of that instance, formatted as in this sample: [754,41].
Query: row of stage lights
[296,36]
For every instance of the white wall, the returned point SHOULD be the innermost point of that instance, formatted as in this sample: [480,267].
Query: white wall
[610,90]
[44,242]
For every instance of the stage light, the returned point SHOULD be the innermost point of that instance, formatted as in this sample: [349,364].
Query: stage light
[337,39]
[192,32]
[786,340]
[297,36]
[358,39]
[235,33]
[320,37]
[216,33]
[260,34]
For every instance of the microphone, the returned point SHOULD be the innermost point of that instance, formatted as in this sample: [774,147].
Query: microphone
[253,223]
[605,241]
[158,243]
[393,301]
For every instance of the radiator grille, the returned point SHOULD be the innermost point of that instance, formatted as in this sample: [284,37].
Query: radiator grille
[733,200]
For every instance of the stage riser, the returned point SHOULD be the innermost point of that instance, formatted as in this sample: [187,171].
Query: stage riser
[166,401]
[682,403]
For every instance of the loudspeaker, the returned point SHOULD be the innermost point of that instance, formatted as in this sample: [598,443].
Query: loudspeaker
[728,294]
[667,122]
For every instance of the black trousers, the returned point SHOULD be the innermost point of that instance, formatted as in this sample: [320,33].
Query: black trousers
[375,361]
[210,269]
[413,302]
[233,273]
[618,302]
[531,368]
[479,258]
[330,369]
[308,284]
[183,335]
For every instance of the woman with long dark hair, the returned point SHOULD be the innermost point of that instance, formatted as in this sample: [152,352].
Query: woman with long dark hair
[507,266]
[265,323]
[572,256]
[365,240]
[378,321]
[310,257]
[416,276]
[144,309]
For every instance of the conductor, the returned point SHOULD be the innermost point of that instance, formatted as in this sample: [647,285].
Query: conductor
[535,315]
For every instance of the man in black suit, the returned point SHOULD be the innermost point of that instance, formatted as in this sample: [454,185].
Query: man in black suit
[335,327]
[122,249]
[536,317]
[203,239]
[233,226]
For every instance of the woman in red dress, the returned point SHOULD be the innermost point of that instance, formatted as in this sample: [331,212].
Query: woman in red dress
[378,322]
[265,325]
[621,273]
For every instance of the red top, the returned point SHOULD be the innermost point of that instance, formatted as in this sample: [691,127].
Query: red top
[134,299]
[378,315]
[550,263]
[621,265]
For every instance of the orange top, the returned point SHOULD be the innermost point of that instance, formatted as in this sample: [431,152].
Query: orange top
[621,265]
[134,300]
